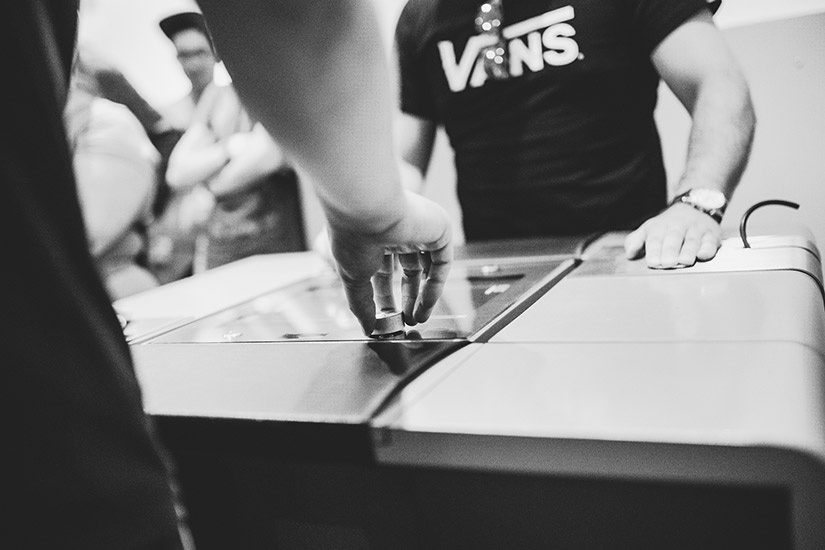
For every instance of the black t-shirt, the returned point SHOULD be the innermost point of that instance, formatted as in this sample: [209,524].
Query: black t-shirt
[87,472]
[566,145]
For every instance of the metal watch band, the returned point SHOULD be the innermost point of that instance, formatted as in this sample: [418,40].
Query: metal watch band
[715,213]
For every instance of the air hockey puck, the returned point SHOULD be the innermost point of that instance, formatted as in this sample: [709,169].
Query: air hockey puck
[387,323]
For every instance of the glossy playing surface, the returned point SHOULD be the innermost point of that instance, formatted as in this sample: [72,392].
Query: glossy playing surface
[316,309]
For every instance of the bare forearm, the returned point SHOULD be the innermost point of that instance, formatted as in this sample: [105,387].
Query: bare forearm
[255,156]
[237,177]
[697,64]
[241,174]
[721,136]
[337,129]
[195,159]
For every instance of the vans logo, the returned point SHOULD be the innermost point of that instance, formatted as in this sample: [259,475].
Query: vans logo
[544,40]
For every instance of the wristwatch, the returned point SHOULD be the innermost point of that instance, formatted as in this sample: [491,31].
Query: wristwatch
[709,201]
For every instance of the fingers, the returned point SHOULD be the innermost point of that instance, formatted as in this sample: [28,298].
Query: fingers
[439,268]
[359,294]
[412,270]
[418,300]
[653,249]
[668,248]
[425,253]
[678,237]
[382,284]
[357,263]
[683,247]
[708,247]
[687,254]
[422,241]
[671,246]
[634,244]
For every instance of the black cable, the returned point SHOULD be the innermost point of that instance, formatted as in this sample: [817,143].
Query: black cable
[744,221]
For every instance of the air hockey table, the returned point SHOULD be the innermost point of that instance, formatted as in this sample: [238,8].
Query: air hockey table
[560,397]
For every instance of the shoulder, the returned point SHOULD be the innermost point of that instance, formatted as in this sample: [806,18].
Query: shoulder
[414,9]
[425,22]
[416,17]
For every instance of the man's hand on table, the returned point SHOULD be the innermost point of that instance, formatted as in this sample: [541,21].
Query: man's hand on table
[422,242]
[678,237]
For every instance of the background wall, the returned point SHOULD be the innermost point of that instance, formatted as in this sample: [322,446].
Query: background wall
[779,45]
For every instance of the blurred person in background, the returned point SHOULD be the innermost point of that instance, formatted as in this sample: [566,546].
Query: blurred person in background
[194,51]
[241,192]
[115,166]
[173,233]
[238,193]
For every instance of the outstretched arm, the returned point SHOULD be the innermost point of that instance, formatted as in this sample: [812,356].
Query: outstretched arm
[314,73]
[698,66]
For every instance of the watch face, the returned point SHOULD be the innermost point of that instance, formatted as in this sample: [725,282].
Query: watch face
[707,198]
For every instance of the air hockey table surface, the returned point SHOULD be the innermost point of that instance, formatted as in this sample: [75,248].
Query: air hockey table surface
[555,359]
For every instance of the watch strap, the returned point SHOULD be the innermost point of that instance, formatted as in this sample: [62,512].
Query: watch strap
[715,213]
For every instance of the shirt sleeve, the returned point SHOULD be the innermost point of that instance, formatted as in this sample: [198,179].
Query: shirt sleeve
[656,19]
[415,97]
